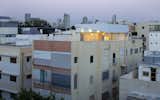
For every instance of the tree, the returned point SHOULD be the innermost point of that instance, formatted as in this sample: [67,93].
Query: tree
[31,95]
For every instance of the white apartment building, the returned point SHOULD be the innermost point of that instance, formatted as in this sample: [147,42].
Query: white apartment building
[84,64]
[8,29]
[143,84]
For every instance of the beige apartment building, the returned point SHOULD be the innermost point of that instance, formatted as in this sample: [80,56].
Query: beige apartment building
[15,69]
[84,64]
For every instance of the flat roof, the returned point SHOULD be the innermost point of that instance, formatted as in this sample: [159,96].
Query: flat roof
[104,27]
[14,45]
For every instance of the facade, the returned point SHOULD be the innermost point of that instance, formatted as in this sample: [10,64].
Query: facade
[66,21]
[154,44]
[15,69]
[8,30]
[142,84]
[84,64]
[84,20]
[144,29]
[27,17]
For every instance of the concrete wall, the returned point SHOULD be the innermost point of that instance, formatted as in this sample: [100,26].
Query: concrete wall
[133,85]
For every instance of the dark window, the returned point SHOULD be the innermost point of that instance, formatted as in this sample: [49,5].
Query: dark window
[142,27]
[145,73]
[28,58]
[105,75]
[134,33]
[92,97]
[105,96]
[0,75]
[0,93]
[0,58]
[61,80]
[13,60]
[29,76]
[114,58]
[91,59]
[136,51]
[75,59]
[75,81]
[12,95]
[131,51]
[13,78]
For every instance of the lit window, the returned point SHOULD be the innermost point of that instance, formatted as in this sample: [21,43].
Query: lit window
[90,30]
[106,38]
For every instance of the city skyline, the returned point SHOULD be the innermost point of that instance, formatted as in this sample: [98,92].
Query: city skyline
[133,10]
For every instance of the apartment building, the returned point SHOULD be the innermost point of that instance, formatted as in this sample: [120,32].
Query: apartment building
[84,64]
[15,69]
[8,29]
[142,84]
[144,30]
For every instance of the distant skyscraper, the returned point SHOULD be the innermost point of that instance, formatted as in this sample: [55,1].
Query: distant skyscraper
[66,21]
[114,21]
[85,20]
[27,16]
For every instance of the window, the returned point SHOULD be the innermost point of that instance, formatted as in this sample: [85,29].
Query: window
[145,73]
[136,51]
[0,58]
[28,58]
[114,58]
[75,59]
[13,78]
[75,81]
[61,80]
[0,75]
[13,60]
[12,95]
[131,51]
[29,76]
[140,49]
[92,97]
[91,79]
[0,93]
[142,27]
[106,96]
[43,75]
[91,59]
[105,75]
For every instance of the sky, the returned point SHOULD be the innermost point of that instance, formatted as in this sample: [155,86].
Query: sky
[51,10]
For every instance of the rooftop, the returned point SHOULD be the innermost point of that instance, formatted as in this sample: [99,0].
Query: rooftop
[103,27]
[5,17]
